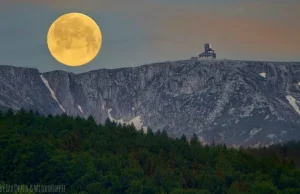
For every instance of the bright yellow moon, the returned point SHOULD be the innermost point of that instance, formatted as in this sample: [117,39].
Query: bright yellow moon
[74,39]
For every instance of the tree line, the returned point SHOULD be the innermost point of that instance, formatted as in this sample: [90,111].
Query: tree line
[113,158]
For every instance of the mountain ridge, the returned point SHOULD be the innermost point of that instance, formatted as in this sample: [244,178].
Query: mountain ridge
[158,63]
[227,101]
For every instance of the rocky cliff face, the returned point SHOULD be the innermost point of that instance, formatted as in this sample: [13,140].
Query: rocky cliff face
[232,102]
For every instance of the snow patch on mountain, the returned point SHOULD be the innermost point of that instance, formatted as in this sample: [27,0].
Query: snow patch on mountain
[136,121]
[271,136]
[293,103]
[80,109]
[45,81]
[263,74]
[254,132]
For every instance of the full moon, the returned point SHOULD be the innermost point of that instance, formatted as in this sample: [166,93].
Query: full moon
[74,39]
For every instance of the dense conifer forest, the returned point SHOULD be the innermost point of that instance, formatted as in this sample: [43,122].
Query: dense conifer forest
[115,159]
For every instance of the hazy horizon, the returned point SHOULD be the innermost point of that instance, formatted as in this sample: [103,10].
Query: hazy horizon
[143,32]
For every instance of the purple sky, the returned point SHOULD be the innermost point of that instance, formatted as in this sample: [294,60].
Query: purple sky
[137,32]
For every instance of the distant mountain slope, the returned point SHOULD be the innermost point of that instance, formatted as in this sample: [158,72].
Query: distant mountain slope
[233,102]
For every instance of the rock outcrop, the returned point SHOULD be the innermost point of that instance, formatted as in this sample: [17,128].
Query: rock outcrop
[232,102]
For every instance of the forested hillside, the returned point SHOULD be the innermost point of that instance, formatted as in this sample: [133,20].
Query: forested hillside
[112,159]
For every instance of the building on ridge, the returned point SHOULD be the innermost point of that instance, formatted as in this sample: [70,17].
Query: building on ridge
[208,53]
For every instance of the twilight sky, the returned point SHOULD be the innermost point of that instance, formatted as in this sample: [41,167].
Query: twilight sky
[137,32]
